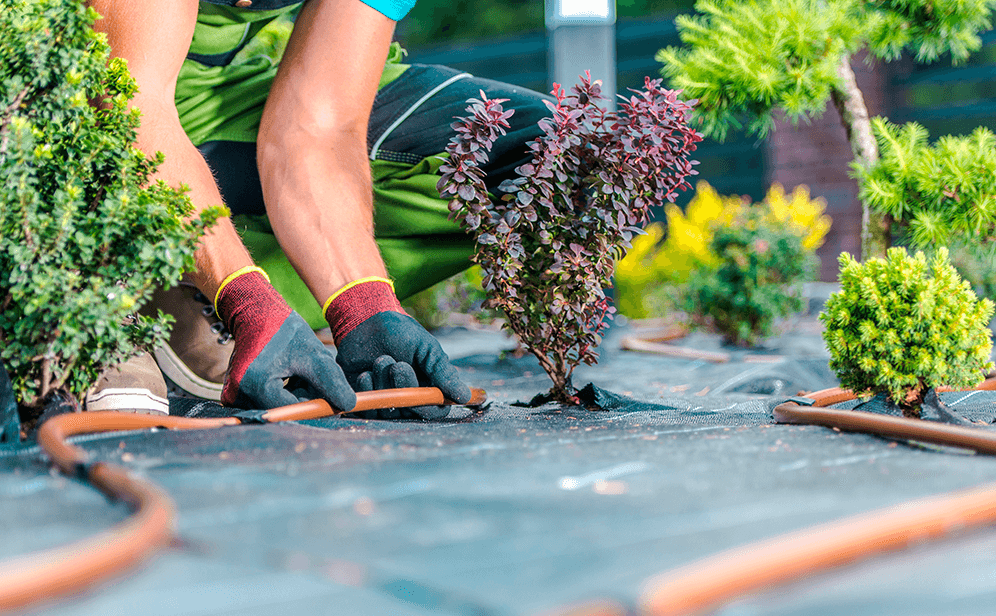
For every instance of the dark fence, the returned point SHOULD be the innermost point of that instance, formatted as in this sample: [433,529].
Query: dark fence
[736,166]
[946,99]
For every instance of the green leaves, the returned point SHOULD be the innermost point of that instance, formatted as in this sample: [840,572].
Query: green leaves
[942,193]
[762,263]
[902,325]
[84,236]
[746,59]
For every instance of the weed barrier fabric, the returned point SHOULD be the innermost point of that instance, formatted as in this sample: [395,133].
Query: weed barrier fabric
[508,509]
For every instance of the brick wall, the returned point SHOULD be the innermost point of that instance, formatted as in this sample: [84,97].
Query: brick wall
[818,155]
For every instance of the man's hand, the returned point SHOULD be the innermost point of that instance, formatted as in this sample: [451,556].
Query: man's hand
[273,343]
[380,347]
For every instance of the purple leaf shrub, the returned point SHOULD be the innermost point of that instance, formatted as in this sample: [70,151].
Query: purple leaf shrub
[548,246]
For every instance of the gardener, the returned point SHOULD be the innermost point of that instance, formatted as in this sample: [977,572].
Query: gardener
[310,158]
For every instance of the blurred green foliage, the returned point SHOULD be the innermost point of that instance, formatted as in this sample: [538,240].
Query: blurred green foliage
[762,263]
[456,301]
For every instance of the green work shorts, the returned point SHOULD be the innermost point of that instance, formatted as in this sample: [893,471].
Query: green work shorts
[408,132]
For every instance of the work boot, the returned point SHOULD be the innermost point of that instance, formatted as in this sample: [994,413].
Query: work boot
[135,386]
[195,358]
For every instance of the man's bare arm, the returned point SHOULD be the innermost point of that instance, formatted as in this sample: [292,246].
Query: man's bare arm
[154,37]
[312,143]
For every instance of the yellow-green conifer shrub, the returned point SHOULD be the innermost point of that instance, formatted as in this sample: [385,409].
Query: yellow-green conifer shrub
[902,325]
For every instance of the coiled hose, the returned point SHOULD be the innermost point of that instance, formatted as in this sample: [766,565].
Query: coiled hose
[84,564]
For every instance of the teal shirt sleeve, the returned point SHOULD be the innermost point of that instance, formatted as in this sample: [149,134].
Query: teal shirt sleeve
[392,9]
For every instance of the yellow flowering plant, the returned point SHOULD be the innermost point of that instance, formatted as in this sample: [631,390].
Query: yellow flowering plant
[659,260]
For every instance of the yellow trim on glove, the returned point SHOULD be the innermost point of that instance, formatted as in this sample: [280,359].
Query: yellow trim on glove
[245,270]
[328,302]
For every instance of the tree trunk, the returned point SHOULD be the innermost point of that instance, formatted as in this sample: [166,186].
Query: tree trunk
[876,236]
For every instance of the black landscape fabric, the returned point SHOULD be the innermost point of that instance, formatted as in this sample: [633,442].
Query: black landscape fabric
[509,509]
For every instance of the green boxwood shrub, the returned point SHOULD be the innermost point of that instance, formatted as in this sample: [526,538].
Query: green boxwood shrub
[85,234]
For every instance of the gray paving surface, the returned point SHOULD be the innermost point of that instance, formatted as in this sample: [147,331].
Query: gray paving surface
[512,510]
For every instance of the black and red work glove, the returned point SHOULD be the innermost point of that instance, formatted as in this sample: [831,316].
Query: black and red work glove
[274,345]
[381,347]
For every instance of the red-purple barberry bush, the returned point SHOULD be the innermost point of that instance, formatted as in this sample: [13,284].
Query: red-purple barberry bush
[548,245]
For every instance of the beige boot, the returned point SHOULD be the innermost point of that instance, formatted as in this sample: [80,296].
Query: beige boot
[196,356]
[135,386]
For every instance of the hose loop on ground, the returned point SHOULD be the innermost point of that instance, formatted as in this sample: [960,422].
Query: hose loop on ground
[79,566]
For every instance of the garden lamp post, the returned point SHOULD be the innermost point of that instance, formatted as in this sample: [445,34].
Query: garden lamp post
[581,35]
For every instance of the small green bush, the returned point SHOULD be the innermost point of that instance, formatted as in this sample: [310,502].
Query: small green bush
[901,326]
[762,263]
[84,234]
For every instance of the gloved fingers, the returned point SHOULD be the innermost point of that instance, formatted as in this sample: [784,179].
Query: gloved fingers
[397,374]
[364,381]
[273,394]
[302,390]
[433,362]
[330,385]
[385,374]
[381,372]
[403,375]
[391,374]
[314,366]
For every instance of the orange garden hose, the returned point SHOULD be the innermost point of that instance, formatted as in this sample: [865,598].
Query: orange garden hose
[84,564]
[697,588]
[709,583]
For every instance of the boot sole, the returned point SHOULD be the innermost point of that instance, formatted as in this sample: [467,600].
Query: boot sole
[129,400]
[184,378]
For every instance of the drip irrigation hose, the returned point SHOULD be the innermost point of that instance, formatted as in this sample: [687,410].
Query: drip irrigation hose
[979,440]
[79,566]
[712,582]
[709,583]
[693,589]
[982,441]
